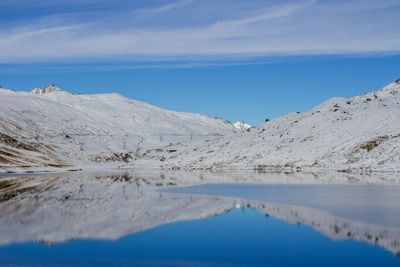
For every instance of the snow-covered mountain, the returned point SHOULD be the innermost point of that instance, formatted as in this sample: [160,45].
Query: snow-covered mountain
[51,127]
[361,132]
[241,126]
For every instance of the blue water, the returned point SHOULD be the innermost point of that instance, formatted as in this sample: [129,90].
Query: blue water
[241,237]
[374,204]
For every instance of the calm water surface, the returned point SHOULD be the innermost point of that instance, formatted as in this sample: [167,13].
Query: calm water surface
[130,220]
[242,237]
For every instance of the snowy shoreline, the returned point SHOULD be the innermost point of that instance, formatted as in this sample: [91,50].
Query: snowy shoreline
[266,170]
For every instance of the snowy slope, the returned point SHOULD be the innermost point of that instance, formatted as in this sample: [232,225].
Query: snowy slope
[51,127]
[340,134]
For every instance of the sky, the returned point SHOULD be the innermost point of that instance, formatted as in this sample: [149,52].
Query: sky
[236,59]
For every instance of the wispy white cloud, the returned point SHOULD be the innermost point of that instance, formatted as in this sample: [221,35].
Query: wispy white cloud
[187,29]
[167,7]
[274,12]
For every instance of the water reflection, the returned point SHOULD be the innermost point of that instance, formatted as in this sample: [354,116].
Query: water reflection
[57,208]
[64,207]
[242,237]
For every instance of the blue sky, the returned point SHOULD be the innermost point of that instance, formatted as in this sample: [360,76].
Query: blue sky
[237,59]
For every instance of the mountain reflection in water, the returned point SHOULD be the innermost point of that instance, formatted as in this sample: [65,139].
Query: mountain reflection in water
[126,207]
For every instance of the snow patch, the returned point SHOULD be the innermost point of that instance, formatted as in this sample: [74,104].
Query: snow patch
[241,126]
[46,90]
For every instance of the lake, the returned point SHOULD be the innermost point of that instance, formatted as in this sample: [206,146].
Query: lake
[198,219]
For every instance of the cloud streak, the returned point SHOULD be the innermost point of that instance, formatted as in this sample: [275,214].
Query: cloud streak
[191,29]
[167,7]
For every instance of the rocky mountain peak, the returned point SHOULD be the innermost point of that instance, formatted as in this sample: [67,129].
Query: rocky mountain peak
[46,90]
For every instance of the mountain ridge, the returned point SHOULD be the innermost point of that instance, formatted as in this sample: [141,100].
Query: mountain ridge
[342,134]
[62,129]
